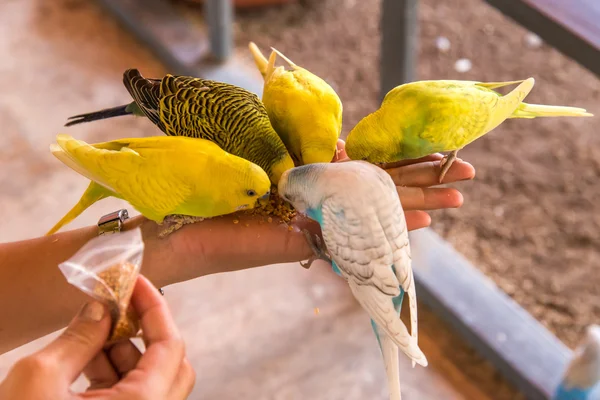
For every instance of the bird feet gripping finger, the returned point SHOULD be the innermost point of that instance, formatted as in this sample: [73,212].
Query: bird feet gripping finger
[318,248]
[175,222]
[446,163]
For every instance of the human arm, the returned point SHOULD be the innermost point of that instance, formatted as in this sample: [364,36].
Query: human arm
[117,373]
[41,301]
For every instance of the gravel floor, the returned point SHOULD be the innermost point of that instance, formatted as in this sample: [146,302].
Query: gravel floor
[530,218]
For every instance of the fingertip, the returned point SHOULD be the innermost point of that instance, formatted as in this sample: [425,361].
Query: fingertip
[470,170]
[155,317]
[417,220]
[144,294]
[454,199]
[426,219]
[467,171]
[459,199]
[340,152]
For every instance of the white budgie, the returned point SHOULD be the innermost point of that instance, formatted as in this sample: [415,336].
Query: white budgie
[364,229]
[581,380]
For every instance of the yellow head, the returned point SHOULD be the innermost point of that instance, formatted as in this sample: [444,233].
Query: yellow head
[218,182]
[243,183]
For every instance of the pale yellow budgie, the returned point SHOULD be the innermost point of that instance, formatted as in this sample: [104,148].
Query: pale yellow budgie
[421,118]
[183,178]
[304,110]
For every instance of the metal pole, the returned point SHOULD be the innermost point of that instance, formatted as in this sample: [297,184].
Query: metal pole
[399,35]
[219,17]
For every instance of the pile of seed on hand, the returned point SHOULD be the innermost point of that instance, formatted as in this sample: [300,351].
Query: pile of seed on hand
[116,285]
[275,207]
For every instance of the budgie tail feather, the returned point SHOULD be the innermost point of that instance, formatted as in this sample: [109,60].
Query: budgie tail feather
[287,60]
[270,66]
[259,59]
[102,114]
[538,110]
[92,194]
[495,85]
[412,301]
[389,352]
[508,103]
[370,298]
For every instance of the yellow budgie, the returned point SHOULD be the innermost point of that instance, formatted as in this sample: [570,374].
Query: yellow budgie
[304,110]
[184,178]
[421,118]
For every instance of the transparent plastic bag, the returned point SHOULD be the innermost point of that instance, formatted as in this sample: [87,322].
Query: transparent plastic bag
[107,268]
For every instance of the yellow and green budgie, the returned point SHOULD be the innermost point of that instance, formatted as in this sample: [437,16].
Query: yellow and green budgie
[228,115]
[304,109]
[182,178]
[421,118]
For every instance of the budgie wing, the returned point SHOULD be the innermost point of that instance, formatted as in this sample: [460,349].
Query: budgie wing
[189,112]
[210,110]
[462,110]
[463,113]
[147,178]
[171,84]
[393,222]
[359,248]
[146,94]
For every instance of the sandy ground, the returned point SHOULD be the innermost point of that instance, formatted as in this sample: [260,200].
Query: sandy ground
[531,217]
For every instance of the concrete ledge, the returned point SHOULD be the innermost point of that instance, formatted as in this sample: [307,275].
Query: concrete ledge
[569,26]
[521,348]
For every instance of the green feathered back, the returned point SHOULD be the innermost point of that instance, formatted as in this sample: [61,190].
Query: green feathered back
[230,116]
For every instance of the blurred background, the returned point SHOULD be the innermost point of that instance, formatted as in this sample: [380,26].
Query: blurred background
[530,220]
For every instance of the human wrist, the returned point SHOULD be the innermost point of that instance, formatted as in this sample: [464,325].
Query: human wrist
[155,263]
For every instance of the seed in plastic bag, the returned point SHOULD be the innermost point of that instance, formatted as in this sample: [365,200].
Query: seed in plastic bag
[116,285]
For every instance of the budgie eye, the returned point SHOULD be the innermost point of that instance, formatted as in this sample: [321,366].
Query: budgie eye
[251,193]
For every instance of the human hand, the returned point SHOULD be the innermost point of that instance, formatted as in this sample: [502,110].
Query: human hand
[121,372]
[218,245]
[414,180]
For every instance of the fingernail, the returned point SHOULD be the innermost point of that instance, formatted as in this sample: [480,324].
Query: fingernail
[93,311]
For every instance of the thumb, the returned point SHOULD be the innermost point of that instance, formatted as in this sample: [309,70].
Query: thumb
[80,341]
[340,151]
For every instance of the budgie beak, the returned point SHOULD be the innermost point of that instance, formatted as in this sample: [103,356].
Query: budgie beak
[264,199]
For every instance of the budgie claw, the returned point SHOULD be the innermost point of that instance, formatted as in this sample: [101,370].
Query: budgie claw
[318,248]
[175,222]
[446,163]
